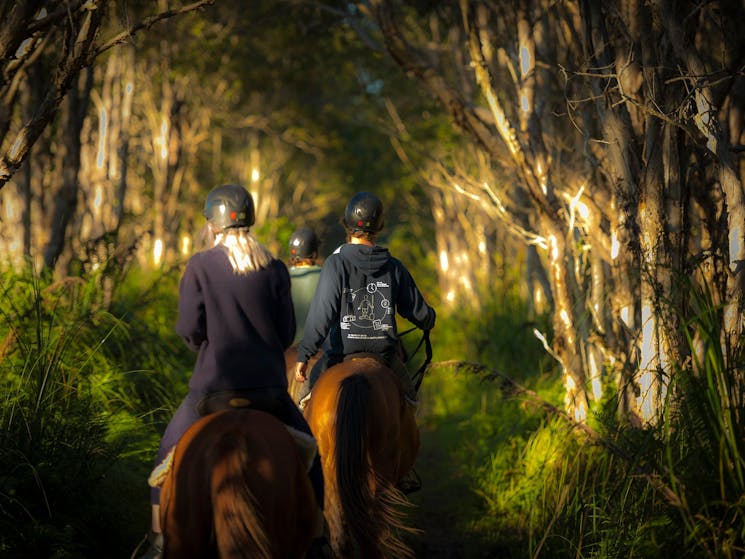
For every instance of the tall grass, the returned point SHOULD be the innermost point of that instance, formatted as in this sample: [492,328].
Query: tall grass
[536,486]
[79,379]
[674,488]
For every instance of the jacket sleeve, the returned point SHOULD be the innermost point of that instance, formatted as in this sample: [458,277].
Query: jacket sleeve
[191,324]
[285,317]
[411,304]
[324,310]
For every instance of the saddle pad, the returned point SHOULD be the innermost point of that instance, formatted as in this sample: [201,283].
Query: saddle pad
[306,445]
[159,473]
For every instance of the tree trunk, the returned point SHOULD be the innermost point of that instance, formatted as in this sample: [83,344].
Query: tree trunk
[66,199]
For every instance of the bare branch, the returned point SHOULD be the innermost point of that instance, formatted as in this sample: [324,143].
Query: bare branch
[82,52]
[147,23]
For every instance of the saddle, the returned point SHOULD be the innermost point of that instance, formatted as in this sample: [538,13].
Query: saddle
[363,355]
[242,399]
[239,399]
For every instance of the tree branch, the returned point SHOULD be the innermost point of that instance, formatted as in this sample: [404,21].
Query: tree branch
[147,23]
[80,54]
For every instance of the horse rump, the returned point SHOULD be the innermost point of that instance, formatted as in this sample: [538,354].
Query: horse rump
[237,489]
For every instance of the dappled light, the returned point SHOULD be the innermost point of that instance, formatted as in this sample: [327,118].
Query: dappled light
[185,245]
[158,252]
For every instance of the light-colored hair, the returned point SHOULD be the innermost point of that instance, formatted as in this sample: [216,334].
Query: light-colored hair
[245,253]
[364,235]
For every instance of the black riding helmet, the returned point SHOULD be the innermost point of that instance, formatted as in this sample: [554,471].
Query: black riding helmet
[364,213]
[303,243]
[229,205]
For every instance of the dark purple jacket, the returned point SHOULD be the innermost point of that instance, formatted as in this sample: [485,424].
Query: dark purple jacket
[239,324]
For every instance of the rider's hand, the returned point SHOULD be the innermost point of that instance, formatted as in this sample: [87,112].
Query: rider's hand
[300,370]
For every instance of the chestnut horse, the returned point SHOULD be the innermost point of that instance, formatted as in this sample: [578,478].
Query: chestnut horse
[238,487]
[368,441]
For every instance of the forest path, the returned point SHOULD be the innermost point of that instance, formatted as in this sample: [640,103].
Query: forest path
[445,505]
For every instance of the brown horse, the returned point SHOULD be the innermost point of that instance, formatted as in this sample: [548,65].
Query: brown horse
[368,440]
[237,488]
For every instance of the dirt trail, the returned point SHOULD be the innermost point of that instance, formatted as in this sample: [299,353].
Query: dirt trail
[442,507]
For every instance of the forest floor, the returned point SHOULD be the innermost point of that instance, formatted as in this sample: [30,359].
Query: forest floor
[444,508]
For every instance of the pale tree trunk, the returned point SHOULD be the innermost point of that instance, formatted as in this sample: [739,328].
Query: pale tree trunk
[706,120]
[616,128]
[448,286]
[120,173]
[615,179]
[533,163]
[653,376]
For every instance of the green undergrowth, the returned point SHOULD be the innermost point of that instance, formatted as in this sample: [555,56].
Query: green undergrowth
[88,375]
[91,370]
[505,478]
[474,436]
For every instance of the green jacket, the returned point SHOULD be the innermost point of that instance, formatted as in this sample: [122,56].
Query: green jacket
[304,281]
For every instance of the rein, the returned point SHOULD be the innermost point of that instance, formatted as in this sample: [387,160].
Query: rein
[418,376]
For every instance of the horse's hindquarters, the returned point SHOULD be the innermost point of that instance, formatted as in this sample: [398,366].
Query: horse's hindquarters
[237,474]
[368,439]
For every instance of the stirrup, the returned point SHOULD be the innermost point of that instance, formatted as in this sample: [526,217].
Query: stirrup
[304,402]
[155,551]
[320,549]
[410,483]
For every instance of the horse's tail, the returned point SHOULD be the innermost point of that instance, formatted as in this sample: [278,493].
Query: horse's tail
[369,504]
[352,465]
[238,530]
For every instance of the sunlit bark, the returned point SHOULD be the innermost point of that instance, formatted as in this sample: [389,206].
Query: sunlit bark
[707,122]
[608,194]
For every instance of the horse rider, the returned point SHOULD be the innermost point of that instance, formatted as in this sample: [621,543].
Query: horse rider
[304,273]
[235,311]
[360,289]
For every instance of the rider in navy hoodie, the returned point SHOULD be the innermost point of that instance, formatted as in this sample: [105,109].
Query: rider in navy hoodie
[235,310]
[359,292]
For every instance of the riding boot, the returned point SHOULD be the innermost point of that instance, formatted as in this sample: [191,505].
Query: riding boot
[410,483]
[155,551]
[320,549]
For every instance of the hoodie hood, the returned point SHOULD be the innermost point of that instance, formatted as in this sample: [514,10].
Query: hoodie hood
[370,260]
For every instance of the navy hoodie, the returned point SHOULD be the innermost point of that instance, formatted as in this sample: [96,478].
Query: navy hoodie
[359,292]
[239,324]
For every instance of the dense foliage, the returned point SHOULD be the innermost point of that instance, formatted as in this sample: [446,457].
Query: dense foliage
[86,390]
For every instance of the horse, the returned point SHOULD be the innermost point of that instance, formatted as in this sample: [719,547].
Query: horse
[238,487]
[368,440]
